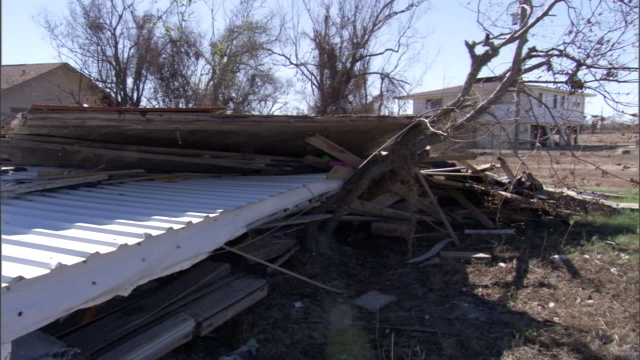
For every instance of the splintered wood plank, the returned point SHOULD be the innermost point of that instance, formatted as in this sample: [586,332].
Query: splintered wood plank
[451,157]
[243,164]
[155,341]
[234,309]
[316,162]
[340,173]
[213,309]
[368,208]
[486,167]
[386,199]
[464,255]
[443,217]
[444,173]
[469,166]
[474,210]
[422,204]
[205,274]
[333,149]
[157,149]
[50,184]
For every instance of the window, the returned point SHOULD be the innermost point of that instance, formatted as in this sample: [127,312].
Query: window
[433,104]
[555,101]
[562,101]
[540,99]
[576,103]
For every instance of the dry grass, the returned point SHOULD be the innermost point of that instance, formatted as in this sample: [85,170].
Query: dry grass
[592,164]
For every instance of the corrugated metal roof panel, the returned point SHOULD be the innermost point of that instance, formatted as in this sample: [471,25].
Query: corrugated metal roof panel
[35,225]
[74,246]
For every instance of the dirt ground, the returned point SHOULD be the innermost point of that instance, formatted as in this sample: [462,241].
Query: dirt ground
[520,304]
[593,163]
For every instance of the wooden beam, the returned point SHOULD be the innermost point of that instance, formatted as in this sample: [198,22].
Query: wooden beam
[340,173]
[158,150]
[213,322]
[180,291]
[333,149]
[469,166]
[443,217]
[50,184]
[474,211]
[421,203]
[316,162]
[386,199]
[368,208]
[444,173]
[452,157]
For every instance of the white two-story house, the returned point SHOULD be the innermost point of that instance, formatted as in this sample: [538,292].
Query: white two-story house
[530,116]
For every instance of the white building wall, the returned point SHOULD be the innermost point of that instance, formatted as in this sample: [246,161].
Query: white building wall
[506,124]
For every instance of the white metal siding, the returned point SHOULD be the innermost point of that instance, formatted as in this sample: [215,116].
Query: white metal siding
[63,250]
[44,229]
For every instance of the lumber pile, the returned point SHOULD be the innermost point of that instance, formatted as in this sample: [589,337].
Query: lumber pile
[445,198]
[167,312]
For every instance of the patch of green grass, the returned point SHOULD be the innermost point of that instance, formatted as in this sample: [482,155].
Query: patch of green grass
[619,228]
[348,344]
[626,196]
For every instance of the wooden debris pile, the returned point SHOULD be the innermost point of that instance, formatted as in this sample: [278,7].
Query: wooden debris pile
[448,197]
[180,140]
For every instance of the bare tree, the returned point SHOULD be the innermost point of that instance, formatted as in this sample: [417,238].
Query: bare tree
[589,55]
[239,73]
[231,69]
[177,75]
[346,57]
[110,41]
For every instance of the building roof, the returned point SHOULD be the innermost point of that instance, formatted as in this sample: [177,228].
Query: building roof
[481,89]
[12,75]
[83,246]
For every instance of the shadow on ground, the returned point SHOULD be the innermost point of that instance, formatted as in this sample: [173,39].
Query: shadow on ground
[508,307]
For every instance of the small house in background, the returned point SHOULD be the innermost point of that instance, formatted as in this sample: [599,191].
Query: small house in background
[533,115]
[56,84]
